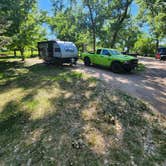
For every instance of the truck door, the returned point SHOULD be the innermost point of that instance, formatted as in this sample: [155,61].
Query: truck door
[104,58]
[97,57]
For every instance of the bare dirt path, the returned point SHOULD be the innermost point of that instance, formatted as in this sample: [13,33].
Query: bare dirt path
[149,85]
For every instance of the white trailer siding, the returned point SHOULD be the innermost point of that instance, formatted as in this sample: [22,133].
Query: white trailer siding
[68,49]
[58,51]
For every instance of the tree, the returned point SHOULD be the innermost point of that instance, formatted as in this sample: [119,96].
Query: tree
[145,45]
[25,23]
[93,12]
[4,40]
[129,35]
[117,12]
[114,17]
[4,23]
[102,20]
[68,24]
[30,32]
[153,13]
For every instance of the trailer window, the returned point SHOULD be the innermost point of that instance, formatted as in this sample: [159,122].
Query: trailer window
[69,49]
[57,50]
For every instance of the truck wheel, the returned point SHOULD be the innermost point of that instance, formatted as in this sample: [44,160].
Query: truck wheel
[87,61]
[116,67]
[128,70]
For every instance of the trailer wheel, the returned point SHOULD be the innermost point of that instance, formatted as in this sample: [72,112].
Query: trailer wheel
[87,61]
[47,63]
[116,67]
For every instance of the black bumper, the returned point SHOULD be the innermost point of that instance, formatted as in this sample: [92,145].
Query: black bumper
[130,65]
[163,57]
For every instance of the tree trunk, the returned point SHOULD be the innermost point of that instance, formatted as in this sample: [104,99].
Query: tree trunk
[114,39]
[157,44]
[94,40]
[32,52]
[93,27]
[119,23]
[15,53]
[128,49]
[22,54]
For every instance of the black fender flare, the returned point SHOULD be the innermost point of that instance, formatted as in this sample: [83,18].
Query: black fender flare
[87,58]
[119,65]
[87,61]
[115,61]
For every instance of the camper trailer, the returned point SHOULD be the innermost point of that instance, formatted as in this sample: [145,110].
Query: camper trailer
[58,52]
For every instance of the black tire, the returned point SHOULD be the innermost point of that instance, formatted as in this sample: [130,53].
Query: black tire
[87,61]
[162,58]
[47,63]
[128,70]
[116,67]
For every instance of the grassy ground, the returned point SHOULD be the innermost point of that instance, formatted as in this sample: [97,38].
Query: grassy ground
[27,54]
[53,116]
[140,68]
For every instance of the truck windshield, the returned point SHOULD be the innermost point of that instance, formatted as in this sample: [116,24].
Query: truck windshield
[114,52]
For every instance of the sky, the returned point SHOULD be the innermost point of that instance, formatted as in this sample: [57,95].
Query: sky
[46,5]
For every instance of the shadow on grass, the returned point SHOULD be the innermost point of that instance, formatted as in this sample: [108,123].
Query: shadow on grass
[64,118]
[12,116]
[8,57]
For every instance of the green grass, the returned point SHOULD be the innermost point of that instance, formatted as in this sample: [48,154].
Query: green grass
[27,53]
[54,116]
[141,67]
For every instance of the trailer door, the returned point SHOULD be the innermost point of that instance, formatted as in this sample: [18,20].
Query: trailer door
[43,50]
[56,51]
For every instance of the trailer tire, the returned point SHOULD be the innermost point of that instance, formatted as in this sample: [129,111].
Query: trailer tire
[87,61]
[47,63]
[116,67]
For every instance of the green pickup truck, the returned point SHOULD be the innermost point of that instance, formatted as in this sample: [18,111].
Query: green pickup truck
[111,58]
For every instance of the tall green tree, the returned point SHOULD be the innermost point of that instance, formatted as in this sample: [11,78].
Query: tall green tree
[25,28]
[93,10]
[153,13]
[5,22]
[145,45]
[102,20]
[68,23]
[116,14]
[30,32]
[129,35]
[4,40]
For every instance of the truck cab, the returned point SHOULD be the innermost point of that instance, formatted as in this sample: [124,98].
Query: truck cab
[110,58]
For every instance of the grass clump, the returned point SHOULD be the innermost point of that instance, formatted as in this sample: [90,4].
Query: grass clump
[55,116]
[141,67]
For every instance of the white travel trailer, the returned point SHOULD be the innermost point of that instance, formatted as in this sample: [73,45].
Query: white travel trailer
[58,52]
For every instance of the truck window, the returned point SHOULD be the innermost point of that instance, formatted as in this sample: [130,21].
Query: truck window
[105,52]
[98,51]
